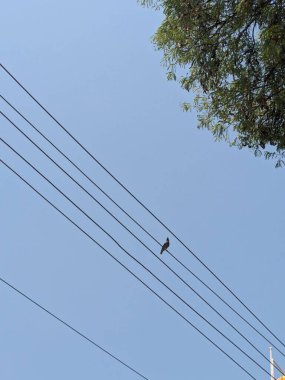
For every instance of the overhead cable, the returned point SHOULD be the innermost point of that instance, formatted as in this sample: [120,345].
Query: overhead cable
[126,228]
[143,205]
[126,213]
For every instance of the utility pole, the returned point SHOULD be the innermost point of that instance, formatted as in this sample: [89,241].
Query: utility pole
[271,364]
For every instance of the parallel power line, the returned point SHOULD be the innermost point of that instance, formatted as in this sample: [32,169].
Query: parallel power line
[128,270]
[73,329]
[138,262]
[129,216]
[144,206]
[151,251]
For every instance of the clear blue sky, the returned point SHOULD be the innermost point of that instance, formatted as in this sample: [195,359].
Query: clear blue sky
[92,64]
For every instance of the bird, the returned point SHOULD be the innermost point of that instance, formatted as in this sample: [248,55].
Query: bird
[165,246]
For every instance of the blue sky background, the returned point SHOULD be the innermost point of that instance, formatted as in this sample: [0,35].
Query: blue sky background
[93,66]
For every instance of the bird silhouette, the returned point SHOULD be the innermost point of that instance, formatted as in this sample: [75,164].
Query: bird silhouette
[165,246]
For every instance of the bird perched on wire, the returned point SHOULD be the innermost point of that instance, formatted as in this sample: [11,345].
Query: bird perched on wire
[165,246]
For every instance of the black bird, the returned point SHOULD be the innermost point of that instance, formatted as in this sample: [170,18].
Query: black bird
[165,246]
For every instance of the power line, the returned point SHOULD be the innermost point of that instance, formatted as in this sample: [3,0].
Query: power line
[127,269]
[138,262]
[72,328]
[126,228]
[142,204]
[138,224]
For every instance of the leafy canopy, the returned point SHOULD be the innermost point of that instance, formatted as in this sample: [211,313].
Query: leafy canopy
[231,53]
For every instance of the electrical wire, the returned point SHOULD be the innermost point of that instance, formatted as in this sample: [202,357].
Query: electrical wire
[143,205]
[72,328]
[114,217]
[127,269]
[138,224]
[137,261]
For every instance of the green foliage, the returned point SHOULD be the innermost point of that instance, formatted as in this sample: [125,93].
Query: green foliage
[231,53]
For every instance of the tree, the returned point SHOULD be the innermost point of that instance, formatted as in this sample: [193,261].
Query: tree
[231,53]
